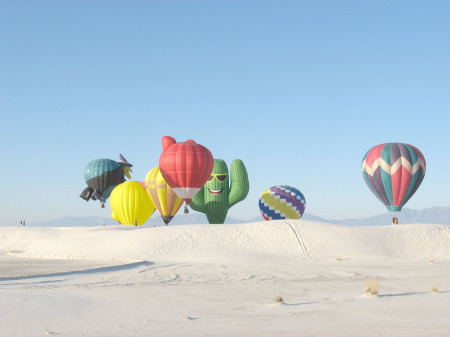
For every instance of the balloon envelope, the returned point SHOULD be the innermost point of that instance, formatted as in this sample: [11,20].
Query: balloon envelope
[282,202]
[393,172]
[102,175]
[130,203]
[114,216]
[162,195]
[222,190]
[185,166]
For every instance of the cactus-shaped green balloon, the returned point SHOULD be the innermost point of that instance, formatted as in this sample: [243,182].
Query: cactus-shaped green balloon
[218,195]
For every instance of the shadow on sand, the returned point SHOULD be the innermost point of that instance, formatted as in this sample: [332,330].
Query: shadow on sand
[413,293]
[81,271]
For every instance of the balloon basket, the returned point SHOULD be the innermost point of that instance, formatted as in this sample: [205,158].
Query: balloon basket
[102,206]
[186,210]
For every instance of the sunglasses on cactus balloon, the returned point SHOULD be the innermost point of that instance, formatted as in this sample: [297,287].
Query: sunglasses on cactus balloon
[219,176]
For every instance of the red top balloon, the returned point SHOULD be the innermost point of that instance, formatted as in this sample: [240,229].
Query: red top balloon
[185,166]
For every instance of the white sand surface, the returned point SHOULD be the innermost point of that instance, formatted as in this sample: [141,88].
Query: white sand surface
[223,280]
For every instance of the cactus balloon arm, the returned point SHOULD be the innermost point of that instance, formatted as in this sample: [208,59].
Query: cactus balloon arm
[198,202]
[240,185]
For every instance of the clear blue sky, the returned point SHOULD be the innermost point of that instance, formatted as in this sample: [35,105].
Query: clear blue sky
[299,90]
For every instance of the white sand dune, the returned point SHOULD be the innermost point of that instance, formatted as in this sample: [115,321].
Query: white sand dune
[222,280]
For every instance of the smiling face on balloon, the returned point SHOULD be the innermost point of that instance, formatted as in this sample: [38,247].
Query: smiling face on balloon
[217,182]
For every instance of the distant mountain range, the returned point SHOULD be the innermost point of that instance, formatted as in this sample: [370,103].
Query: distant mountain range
[435,215]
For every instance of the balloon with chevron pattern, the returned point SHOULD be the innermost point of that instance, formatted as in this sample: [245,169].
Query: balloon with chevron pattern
[393,172]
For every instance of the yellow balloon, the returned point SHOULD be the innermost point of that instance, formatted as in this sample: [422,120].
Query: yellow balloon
[162,195]
[130,203]
[114,216]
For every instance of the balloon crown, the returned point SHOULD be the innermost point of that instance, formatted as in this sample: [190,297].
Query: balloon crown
[168,141]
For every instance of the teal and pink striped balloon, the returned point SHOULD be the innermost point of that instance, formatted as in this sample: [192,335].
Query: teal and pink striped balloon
[393,172]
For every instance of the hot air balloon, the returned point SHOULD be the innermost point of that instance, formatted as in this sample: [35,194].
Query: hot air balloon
[164,198]
[185,166]
[130,203]
[114,216]
[393,172]
[282,202]
[217,196]
[102,175]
